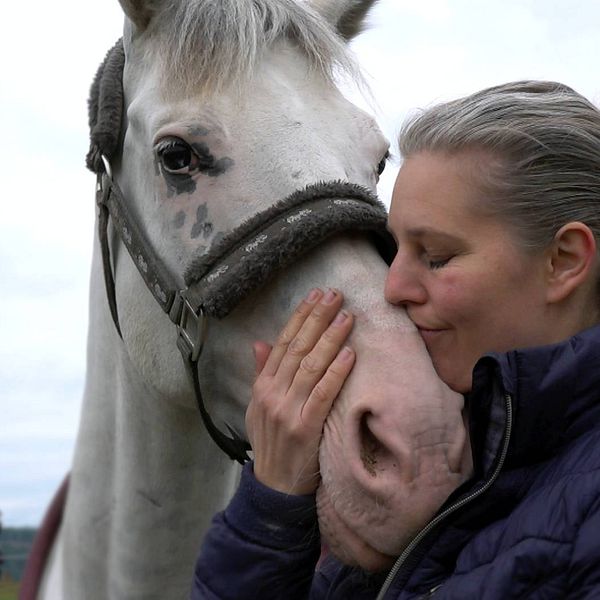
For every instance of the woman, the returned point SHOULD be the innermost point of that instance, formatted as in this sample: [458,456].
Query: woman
[496,214]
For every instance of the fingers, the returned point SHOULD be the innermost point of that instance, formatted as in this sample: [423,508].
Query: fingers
[314,365]
[261,354]
[289,332]
[321,398]
[299,354]
[309,321]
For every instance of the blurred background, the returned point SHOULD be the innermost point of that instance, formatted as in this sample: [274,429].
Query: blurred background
[414,53]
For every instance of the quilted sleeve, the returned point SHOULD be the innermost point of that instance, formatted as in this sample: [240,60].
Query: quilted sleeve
[264,545]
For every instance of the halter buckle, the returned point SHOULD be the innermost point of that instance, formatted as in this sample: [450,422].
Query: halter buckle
[191,329]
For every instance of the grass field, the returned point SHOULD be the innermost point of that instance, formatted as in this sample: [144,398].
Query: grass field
[9,590]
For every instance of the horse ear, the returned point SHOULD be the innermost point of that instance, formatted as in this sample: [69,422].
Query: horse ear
[140,12]
[346,16]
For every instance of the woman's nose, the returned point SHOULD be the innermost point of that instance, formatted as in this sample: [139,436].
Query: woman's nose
[403,284]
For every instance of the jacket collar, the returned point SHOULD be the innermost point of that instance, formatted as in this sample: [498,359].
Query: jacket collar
[555,392]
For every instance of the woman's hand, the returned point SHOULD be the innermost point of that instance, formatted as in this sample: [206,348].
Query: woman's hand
[297,382]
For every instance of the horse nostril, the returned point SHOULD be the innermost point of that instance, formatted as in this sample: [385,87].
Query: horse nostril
[370,447]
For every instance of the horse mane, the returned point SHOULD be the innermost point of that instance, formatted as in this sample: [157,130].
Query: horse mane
[209,45]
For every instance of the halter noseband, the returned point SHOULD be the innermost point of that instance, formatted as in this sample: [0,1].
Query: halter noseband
[239,264]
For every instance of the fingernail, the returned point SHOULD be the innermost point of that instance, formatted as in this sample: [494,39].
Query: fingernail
[340,317]
[329,297]
[313,295]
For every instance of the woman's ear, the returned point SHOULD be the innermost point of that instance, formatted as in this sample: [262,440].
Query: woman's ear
[572,260]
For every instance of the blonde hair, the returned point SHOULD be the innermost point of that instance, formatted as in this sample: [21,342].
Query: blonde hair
[545,141]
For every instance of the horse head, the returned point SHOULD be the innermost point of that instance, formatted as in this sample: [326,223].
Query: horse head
[229,109]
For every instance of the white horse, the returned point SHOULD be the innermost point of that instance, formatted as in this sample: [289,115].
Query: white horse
[231,106]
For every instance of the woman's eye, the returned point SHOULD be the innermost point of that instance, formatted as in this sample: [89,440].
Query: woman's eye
[176,156]
[438,263]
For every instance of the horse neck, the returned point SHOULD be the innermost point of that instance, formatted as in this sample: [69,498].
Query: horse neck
[146,478]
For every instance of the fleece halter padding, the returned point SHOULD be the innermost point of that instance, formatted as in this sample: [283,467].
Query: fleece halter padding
[105,109]
[246,258]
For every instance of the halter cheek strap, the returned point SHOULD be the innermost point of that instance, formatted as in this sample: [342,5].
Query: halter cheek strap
[190,320]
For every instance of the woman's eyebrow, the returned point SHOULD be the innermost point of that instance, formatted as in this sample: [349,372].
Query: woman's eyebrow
[419,233]
[427,232]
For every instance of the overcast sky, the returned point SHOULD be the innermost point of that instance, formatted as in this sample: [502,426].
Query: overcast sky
[415,53]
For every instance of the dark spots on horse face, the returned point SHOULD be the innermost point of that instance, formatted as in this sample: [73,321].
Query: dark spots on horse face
[201,213]
[217,238]
[197,130]
[179,220]
[221,166]
[179,184]
[208,163]
[296,174]
[202,227]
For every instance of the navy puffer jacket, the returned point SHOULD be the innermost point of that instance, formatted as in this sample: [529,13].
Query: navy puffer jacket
[526,526]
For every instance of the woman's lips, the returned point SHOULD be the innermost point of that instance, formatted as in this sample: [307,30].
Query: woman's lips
[429,335]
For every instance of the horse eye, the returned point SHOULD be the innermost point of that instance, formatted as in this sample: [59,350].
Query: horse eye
[175,155]
[382,163]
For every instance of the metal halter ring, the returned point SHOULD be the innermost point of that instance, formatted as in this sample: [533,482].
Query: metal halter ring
[107,171]
[107,167]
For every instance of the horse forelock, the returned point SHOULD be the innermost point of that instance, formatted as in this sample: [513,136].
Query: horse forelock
[209,45]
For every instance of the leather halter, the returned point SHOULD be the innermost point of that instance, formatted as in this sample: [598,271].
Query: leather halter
[188,307]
